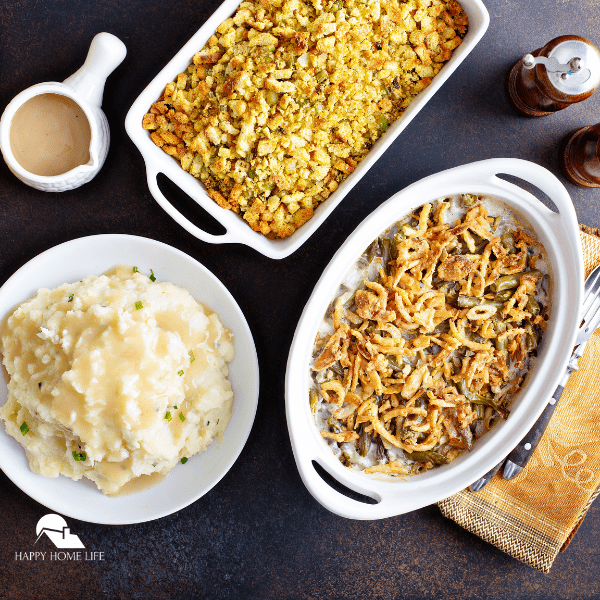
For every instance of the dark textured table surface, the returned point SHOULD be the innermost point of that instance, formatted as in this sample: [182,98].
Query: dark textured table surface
[258,533]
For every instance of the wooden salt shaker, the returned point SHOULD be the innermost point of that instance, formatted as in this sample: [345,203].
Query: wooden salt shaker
[566,70]
[580,156]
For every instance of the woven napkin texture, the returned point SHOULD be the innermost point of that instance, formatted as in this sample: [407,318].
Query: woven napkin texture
[534,516]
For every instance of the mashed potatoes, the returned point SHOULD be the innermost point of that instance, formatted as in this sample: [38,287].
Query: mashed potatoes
[115,377]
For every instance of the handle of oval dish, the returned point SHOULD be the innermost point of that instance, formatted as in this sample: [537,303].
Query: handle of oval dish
[538,176]
[177,216]
[547,182]
[106,53]
[340,504]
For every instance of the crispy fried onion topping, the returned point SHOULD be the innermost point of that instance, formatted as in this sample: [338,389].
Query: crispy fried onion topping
[423,361]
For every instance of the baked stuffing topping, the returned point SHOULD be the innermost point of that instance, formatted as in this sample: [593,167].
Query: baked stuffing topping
[430,338]
[287,97]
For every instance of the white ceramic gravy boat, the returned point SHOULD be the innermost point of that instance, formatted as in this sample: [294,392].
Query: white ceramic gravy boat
[86,88]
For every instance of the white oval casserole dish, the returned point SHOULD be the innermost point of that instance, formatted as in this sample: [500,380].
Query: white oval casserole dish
[559,234]
[238,231]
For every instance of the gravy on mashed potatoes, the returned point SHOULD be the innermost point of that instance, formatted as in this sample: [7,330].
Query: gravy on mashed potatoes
[115,377]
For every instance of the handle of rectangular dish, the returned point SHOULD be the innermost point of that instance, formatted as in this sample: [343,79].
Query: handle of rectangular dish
[227,237]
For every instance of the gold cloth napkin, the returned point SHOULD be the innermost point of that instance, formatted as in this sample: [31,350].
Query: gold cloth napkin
[534,516]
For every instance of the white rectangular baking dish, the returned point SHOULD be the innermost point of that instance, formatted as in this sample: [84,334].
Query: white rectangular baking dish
[238,231]
[558,232]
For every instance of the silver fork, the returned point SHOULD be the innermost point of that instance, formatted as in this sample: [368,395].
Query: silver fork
[518,458]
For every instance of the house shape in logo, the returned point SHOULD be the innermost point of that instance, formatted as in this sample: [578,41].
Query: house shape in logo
[56,528]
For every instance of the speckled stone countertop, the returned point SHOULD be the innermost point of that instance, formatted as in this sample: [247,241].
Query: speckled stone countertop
[259,534]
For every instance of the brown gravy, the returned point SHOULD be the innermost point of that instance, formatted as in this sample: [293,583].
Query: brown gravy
[50,135]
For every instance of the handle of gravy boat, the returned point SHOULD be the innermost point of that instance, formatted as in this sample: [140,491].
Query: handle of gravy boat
[106,53]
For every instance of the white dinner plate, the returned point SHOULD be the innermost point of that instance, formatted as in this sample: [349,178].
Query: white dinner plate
[186,483]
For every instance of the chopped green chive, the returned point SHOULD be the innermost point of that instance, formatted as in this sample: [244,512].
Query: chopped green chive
[183,460]
[70,298]
[135,270]
[192,357]
[168,416]
[180,372]
[138,305]
[181,417]
[174,407]
[24,428]
[207,423]
[79,456]
[152,277]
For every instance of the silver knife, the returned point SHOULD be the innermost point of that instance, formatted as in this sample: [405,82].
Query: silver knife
[518,458]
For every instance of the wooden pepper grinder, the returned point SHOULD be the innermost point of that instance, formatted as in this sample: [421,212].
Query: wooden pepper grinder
[580,156]
[564,71]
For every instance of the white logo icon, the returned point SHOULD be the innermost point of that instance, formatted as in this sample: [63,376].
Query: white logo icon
[56,528]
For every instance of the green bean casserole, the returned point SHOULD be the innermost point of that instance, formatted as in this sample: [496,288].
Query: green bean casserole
[430,337]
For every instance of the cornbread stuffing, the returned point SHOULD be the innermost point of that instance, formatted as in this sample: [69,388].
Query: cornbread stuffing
[288,96]
[430,338]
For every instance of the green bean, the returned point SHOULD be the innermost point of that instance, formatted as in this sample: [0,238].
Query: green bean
[364,441]
[380,453]
[408,435]
[337,369]
[385,245]
[532,306]
[476,398]
[335,425]
[398,237]
[313,396]
[350,301]
[372,251]
[501,345]
[503,296]
[480,410]
[530,342]
[507,282]
[394,365]
[470,301]
[320,76]
[508,241]
[469,200]
[499,324]
[428,456]
[500,327]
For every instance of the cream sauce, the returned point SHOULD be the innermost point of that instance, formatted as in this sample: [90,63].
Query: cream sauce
[50,135]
